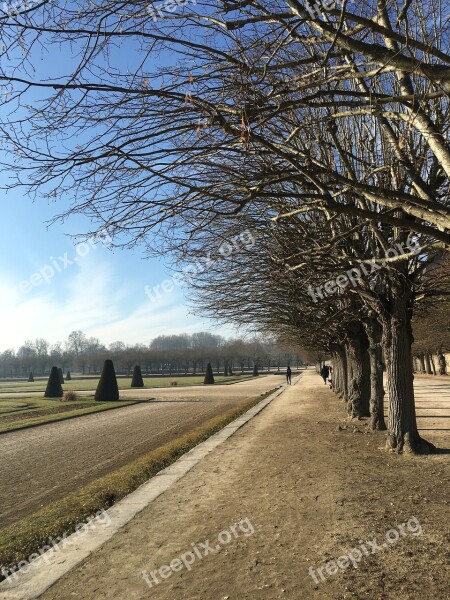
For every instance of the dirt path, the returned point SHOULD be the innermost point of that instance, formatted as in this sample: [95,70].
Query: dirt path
[43,464]
[313,486]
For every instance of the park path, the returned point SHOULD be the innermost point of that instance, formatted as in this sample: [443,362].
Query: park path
[45,463]
[313,485]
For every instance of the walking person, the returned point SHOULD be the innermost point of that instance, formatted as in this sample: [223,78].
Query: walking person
[288,375]
[325,371]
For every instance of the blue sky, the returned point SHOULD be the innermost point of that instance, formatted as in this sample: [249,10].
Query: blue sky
[101,292]
[45,292]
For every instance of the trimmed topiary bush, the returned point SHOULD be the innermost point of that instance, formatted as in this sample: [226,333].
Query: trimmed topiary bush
[107,389]
[54,389]
[61,376]
[209,377]
[255,370]
[68,376]
[30,377]
[137,381]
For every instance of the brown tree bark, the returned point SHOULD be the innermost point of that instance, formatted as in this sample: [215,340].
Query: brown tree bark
[428,364]
[403,435]
[339,375]
[374,332]
[422,363]
[367,384]
[358,391]
[335,373]
[442,363]
[433,366]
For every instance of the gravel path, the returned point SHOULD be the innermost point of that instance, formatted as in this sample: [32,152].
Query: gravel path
[309,492]
[43,464]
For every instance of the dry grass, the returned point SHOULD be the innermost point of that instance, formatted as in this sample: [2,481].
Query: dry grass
[70,396]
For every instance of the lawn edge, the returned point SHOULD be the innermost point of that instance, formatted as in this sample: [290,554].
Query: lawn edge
[123,404]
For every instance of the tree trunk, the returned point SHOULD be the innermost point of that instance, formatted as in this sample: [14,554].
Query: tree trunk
[433,366]
[428,364]
[442,363]
[422,363]
[335,373]
[358,390]
[342,387]
[374,332]
[397,340]
[366,391]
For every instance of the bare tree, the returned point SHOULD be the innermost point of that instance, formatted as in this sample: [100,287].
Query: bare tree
[328,131]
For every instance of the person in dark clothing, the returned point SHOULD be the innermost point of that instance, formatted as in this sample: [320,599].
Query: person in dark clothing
[288,375]
[324,373]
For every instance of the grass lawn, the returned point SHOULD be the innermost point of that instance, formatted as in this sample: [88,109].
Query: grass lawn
[25,412]
[124,383]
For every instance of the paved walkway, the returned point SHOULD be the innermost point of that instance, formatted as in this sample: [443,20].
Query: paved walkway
[260,516]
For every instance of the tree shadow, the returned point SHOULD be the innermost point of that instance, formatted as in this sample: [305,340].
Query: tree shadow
[433,416]
[441,451]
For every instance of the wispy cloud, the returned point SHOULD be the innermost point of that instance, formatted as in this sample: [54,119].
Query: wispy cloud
[93,296]
[85,298]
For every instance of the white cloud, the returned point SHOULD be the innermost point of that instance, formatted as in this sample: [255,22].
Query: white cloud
[91,296]
[147,322]
[79,299]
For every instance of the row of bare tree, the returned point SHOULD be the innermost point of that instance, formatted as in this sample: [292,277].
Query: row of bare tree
[166,355]
[325,135]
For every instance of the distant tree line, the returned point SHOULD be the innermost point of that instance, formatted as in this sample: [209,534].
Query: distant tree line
[180,354]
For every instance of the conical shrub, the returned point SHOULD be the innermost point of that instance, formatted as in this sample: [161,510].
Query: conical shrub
[255,370]
[54,389]
[137,381]
[61,376]
[30,377]
[209,377]
[68,376]
[107,389]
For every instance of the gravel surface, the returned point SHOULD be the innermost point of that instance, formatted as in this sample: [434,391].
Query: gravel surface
[311,486]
